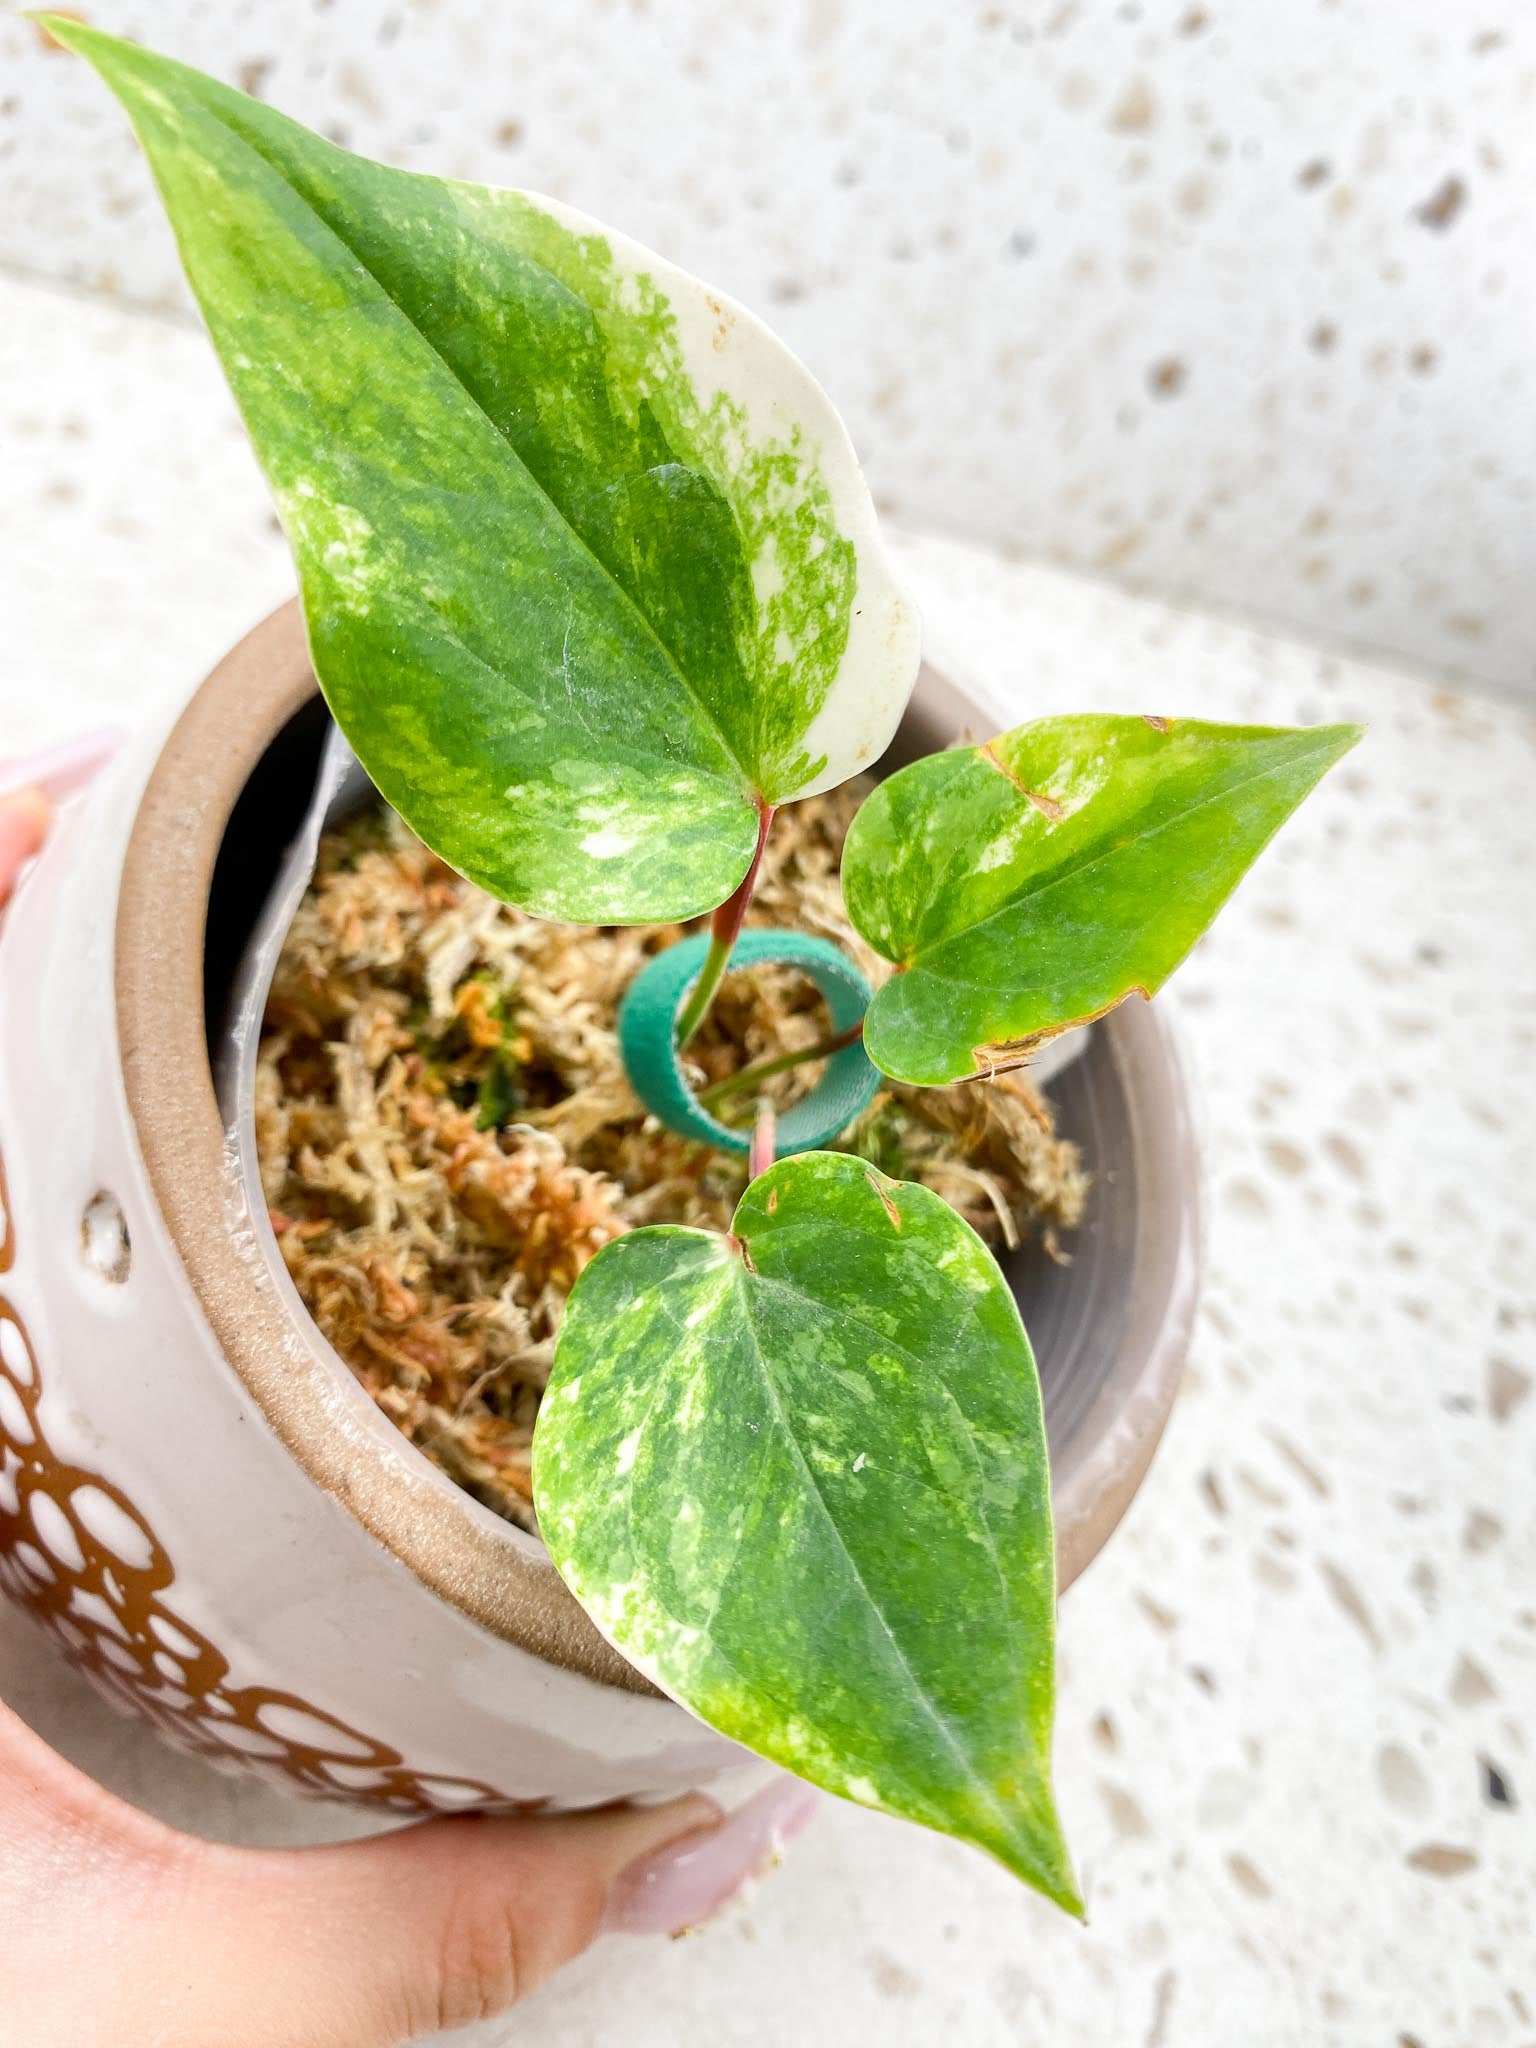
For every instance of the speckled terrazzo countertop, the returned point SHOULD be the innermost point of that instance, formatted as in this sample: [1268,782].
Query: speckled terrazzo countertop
[1296,1755]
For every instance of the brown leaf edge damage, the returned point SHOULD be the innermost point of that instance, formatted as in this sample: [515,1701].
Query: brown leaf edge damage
[1010,1053]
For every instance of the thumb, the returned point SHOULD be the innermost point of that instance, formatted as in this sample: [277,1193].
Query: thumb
[23,827]
[436,1926]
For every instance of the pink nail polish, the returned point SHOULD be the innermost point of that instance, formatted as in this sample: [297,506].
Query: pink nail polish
[59,771]
[688,1882]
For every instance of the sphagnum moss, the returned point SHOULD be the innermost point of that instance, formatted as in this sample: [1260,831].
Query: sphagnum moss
[447,1135]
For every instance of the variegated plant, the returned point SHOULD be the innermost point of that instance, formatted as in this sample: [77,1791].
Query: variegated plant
[593,584]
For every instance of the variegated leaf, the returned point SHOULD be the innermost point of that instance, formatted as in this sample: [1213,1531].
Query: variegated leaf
[800,1480]
[1030,884]
[587,560]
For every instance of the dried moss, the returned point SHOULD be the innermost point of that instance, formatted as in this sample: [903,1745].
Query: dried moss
[447,1135]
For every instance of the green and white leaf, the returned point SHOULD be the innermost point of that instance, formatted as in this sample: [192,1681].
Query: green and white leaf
[1032,883]
[586,557]
[803,1486]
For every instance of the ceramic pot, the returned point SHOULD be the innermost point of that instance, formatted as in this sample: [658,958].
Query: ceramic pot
[209,1513]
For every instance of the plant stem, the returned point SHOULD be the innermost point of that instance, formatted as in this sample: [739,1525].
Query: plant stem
[724,929]
[748,1077]
[764,1133]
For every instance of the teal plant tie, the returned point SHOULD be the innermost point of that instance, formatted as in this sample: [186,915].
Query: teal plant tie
[648,1040]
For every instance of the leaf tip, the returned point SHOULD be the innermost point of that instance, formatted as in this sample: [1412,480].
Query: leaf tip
[1338,739]
[52,25]
[1329,745]
[71,34]
[1036,1852]
[1066,1892]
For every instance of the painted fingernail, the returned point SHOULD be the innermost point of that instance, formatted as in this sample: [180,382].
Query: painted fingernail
[61,770]
[687,1883]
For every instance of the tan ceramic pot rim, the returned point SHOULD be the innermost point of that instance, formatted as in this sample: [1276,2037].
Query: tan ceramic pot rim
[497,1576]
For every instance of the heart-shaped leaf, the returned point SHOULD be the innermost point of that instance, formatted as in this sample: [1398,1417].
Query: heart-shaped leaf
[587,561]
[1030,884]
[802,1484]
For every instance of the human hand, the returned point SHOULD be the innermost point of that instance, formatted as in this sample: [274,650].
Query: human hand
[119,1932]
[31,786]
[116,1929]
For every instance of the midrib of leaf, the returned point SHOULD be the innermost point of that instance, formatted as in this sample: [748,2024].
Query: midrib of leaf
[1073,870]
[686,1339]
[919,1691]
[922,1369]
[254,145]
[787,1709]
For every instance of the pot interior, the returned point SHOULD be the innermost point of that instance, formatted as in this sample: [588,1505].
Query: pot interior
[1077,1313]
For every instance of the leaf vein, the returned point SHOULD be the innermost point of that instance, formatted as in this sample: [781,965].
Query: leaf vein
[329,226]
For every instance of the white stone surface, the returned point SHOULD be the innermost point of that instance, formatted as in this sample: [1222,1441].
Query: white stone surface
[1229,299]
[1286,1680]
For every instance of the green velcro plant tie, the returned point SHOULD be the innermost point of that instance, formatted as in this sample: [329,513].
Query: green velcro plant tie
[648,1040]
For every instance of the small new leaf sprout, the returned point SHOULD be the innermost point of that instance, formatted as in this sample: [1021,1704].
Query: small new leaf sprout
[592,583]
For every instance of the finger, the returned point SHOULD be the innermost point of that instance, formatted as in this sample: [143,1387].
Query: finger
[88,1886]
[59,771]
[687,1885]
[30,783]
[42,1795]
[23,827]
[440,1925]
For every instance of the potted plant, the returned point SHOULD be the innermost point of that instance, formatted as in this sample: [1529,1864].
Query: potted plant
[593,587]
